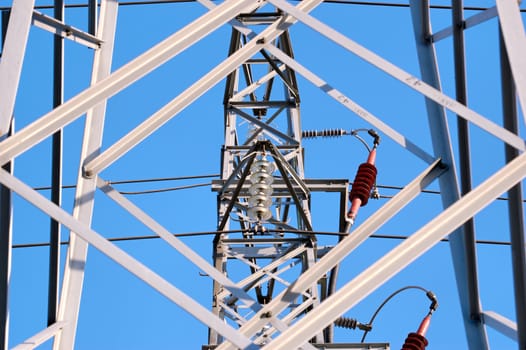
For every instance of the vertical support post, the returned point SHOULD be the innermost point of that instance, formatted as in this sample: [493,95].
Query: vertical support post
[5,260]
[515,206]
[462,251]
[464,152]
[92,17]
[84,197]
[14,48]
[56,171]
[5,236]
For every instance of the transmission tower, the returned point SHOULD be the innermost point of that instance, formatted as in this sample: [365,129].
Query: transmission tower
[275,277]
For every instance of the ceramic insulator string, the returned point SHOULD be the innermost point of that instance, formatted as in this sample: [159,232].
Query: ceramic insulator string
[261,190]
[324,133]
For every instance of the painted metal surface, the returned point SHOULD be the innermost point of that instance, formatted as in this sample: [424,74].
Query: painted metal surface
[270,250]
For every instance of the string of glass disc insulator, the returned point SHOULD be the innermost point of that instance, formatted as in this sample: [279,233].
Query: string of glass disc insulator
[260,191]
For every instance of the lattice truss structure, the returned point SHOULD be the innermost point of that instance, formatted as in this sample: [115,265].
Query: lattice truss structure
[274,278]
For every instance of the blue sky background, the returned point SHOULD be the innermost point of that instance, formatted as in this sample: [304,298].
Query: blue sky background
[120,312]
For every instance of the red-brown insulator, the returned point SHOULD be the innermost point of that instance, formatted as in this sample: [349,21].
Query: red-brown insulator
[415,341]
[363,182]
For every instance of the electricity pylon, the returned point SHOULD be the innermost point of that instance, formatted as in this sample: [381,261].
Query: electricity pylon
[285,295]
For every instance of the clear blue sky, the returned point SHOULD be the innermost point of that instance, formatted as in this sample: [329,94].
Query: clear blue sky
[120,312]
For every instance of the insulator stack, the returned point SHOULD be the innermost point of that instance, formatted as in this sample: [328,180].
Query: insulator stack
[351,323]
[345,322]
[324,133]
[363,182]
[260,191]
[415,341]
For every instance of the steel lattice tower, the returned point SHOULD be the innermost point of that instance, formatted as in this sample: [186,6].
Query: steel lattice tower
[273,283]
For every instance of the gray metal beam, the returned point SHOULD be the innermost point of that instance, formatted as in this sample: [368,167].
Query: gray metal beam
[84,197]
[56,171]
[462,250]
[13,51]
[6,234]
[501,324]
[469,22]
[6,238]
[514,35]
[402,255]
[58,27]
[515,205]
[41,337]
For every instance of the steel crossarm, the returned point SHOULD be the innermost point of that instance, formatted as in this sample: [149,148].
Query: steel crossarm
[403,76]
[122,258]
[120,79]
[469,22]
[13,52]
[341,250]
[402,255]
[55,26]
[214,76]
[501,324]
[513,32]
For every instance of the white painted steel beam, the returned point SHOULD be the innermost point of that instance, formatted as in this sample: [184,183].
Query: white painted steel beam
[501,324]
[41,337]
[76,257]
[55,26]
[340,251]
[214,76]
[12,58]
[401,256]
[514,35]
[469,22]
[404,77]
[125,260]
[120,79]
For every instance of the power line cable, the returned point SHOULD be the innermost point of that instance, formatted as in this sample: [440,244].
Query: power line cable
[168,179]
[213,233]
[344,2]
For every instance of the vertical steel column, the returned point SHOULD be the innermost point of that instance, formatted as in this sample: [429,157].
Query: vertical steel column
[515,206]
[5,260]
[14,47]
[92,17]
[56,170]
[5,236]
[84,197]
[462,253]
[465,152]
